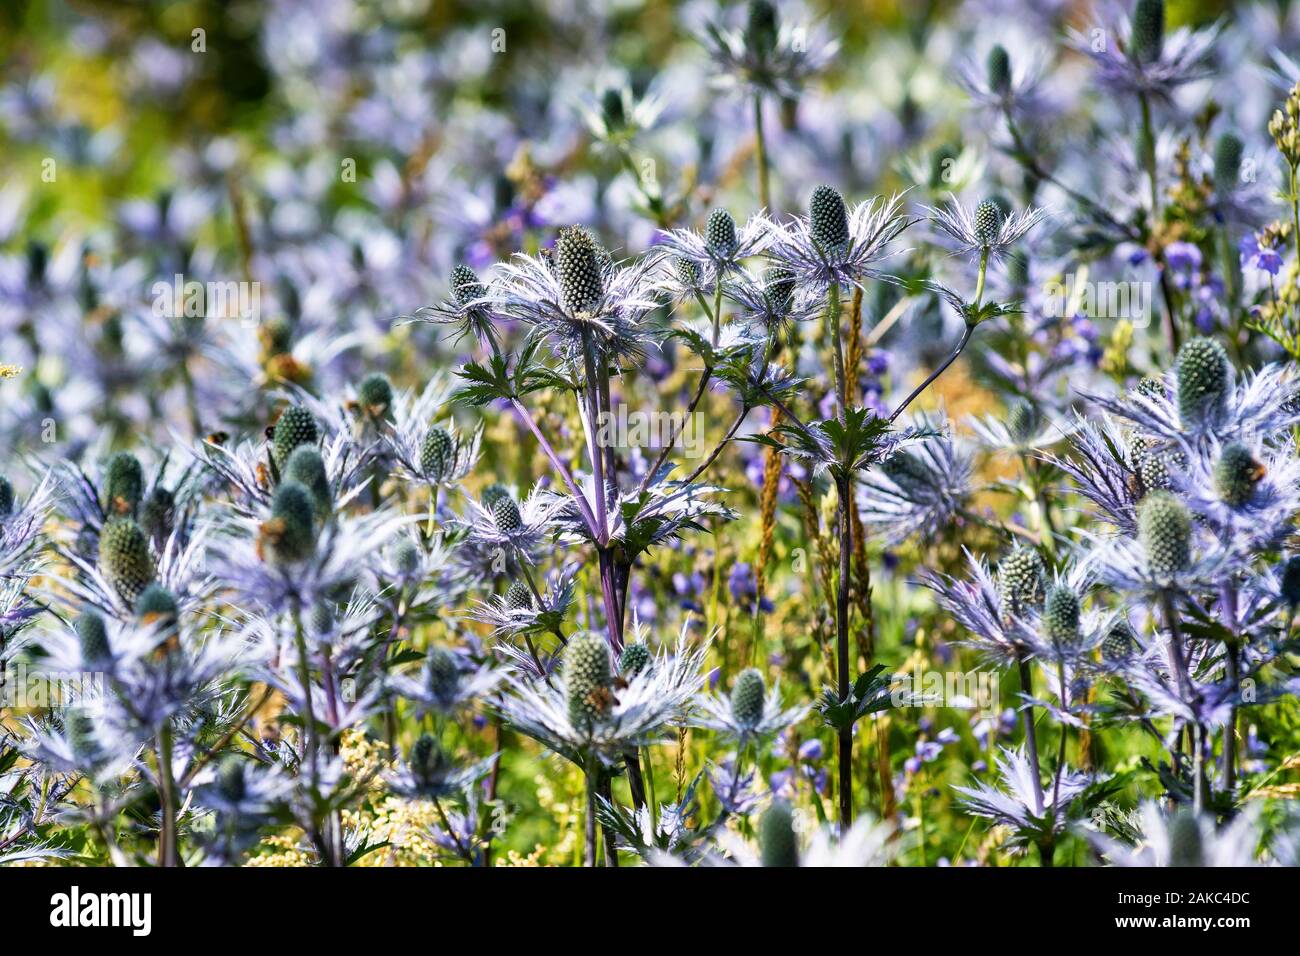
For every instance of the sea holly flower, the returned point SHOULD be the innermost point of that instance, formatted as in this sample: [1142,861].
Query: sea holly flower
[468,309]
[580,295]
[1213,401]
[445,684]
[1004,83]
[1013,804]
[987,228]
[833,245]
[767,54]
[619,115]
[1180,838]
[867,843]
[1138,58]
[429,772]
[605,721]
[917,490]
[770,302]
[519,611]
[436,455]
[749,713]
[702,260]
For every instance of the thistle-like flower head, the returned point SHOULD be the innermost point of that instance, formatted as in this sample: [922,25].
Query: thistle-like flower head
[588,680]
[123,484]
[295,426]
[1021,581]
[289,535]
[834,245]
[989,228]
[1061,616]
[747,696]
[1165,531]
[777,840]
[307,468]
[124,558]
[1236,473]
[1204,379]
[635,656]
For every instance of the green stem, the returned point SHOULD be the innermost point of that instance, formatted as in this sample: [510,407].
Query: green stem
[760,154]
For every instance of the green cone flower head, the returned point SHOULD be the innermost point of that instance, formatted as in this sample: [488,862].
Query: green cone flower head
[1203,378]
[578,269]
[1152,468]
[506,515]
[761,27]
[828,219]
[124,558]
[587,678]
[1185,846]
[611,109]
[942,161]
[634,658]
[295,426]
[1148,30]
[465,285]
[777,843]
[1118,643]
[688,273]
[92,637]
[289,535]
[518,597]
[999,69]
[437,453]
[442,673]
[778,287]
[158,515]
[307,468]
[494,493]
[157,605]
[1021,577]
[1061,616]
[1236,474]
[747,697]
[123,484]
[907,471]
[1152,387]
[720,233]
[375,395]
[1023,420]
[79,729]
[320,620]
[6,497]
[988,221]
[1165,530]
[1227,162]
[427,760]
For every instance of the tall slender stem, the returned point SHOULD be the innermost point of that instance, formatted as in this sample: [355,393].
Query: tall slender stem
[1031,736]
[844,484]
[929,379]
[760,153]
[168,854]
